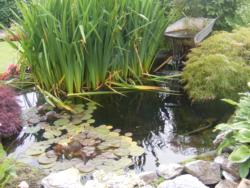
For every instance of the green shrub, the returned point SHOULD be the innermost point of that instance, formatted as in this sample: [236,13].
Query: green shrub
[229,12]
[6,7]
[237,135]
[219,67]
[215,76]
[74,46]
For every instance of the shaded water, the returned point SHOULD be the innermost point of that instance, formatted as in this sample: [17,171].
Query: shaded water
[161,124]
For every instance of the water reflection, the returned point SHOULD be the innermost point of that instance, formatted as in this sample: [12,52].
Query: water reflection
[160,123]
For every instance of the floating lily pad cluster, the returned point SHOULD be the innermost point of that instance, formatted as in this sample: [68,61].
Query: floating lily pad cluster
[83,146]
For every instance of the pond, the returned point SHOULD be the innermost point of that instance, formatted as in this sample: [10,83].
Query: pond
[165,126]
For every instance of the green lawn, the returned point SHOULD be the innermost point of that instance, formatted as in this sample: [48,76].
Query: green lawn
[8,55]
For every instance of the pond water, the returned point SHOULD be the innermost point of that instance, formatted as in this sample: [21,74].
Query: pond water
[163,125]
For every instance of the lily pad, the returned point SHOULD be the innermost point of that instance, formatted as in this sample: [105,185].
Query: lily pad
[49,134]
[32,129]
[90,121]
[136,151]
[85,168]
[128,134]
[87,117]
[121,152]
[44,160]
[35,151]
[61,122]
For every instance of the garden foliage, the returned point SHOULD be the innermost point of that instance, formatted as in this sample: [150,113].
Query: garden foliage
[10,113]
[219,67]
[230,13]
[6,8]
[75,46]
[237,134]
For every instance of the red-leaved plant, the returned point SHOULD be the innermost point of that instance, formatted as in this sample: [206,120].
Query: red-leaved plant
[10,113]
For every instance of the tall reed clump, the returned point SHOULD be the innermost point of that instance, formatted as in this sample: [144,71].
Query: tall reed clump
[76,46]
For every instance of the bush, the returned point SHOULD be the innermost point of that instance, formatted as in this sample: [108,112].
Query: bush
[74,46]
[229,12]
[237,135]
[215,77]
[219,67]
[6,7]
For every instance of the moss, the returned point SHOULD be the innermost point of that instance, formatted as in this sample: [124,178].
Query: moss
[219,67]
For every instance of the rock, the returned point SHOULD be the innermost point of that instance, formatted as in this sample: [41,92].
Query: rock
[148,177]
[207,172]
[183,181]
[51,116]
[115,180]
[227,165]
[147,186]
[229,176]
[169,171]
[94,184]
[244,184]
[23,184]
[64,179]
[226,184]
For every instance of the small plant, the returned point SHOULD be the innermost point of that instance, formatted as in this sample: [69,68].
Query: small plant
[238,134]
[6,168]
[10,112]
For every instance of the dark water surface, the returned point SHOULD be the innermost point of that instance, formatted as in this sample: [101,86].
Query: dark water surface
[161,124]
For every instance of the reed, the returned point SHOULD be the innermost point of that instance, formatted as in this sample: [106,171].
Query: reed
[76,46]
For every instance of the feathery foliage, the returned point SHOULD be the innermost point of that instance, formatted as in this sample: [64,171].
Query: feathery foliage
[219,67]
[77,46]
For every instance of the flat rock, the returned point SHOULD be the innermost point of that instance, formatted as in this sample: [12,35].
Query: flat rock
[183,181]
[148,177]
[245,183]
[205,171]
[226,184]
[227,165]
[169,171]
[64,179]
[229,176]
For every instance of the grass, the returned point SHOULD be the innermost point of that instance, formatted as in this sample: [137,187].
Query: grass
[8,55]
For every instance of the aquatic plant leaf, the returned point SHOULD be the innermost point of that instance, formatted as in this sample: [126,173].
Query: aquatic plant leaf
[85,168]
[44,160]
[87,117]
[49,134]
[121,152]
[34,151]
[90,121]
[61,122]
[76,121]
[136,151]
[128,134]
[32,129]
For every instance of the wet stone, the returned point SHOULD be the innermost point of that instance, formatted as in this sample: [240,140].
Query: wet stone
[148,177]
[207,172]
[183,181]
[169,171]
[226,184]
